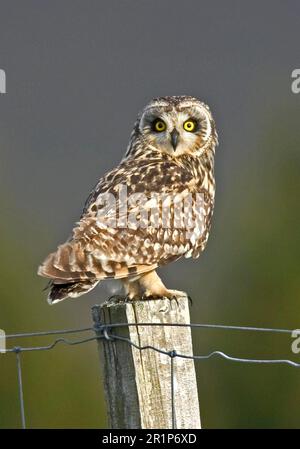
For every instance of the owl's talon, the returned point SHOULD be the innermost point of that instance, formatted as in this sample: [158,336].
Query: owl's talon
[151,297]
[174,298]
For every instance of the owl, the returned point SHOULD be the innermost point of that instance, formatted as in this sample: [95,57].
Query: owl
[152,209]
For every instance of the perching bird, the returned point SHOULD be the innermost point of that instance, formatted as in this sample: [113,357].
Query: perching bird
[146,212]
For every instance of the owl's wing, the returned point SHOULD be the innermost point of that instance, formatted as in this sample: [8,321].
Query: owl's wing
[118,249]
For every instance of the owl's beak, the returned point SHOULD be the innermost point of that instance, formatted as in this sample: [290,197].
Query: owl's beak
[174,138]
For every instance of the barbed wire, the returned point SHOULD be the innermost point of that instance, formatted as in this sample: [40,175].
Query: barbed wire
[103,331]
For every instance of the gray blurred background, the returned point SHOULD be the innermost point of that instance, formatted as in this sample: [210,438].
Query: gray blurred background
[77,74]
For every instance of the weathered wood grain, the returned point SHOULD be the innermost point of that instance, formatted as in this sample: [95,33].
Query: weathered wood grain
[138,382]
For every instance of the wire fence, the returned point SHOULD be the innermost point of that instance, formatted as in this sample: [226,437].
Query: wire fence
[104,332]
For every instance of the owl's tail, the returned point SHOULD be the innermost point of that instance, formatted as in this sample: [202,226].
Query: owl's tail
[59,292]
[73,271]
[69,276]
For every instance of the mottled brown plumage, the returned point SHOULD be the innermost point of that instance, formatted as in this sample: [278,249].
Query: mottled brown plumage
[112,241]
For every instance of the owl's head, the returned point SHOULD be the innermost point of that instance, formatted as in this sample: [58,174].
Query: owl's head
[177,125]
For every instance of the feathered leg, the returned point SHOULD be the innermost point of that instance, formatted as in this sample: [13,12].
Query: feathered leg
[154,287]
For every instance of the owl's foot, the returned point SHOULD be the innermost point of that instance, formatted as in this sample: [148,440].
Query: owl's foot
[175,294]
[171,295]
[179,296]
[155,289]
[148,296]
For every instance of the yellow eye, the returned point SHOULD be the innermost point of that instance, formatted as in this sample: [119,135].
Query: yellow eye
[189,125]
[159,126]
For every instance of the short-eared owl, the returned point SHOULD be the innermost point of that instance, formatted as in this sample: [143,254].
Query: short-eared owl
[154,208]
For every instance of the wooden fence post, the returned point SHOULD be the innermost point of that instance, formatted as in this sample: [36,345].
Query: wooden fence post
[137,383]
